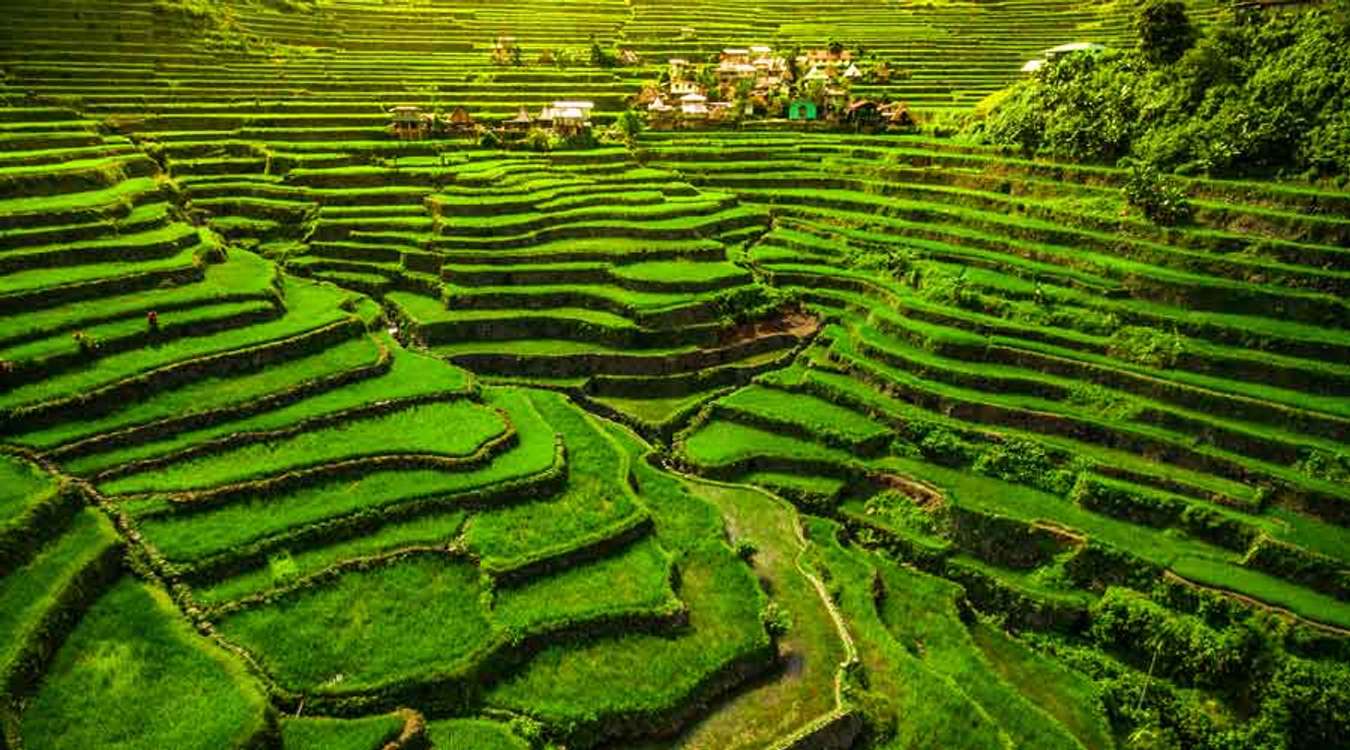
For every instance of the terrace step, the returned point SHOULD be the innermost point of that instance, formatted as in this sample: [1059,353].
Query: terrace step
[43,600]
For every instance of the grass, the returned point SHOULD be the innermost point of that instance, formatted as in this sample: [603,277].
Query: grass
[453,429]
[721,443]
[205,394]
[308,307]
[473,734]
[28,593]
[22,485]
[596,500]
[815,416]
[805,690]
[242,274]
[183,320]
[635,580]
[913,706]
[185,537]
[371,627]
[920,612]
[635,672]
[134,675]
[410,376]
[964,288]
[1068,696]
[1264,588]
[794,482]
[319,733]
[438,529]
[655,410]
[45,279]
[681,272]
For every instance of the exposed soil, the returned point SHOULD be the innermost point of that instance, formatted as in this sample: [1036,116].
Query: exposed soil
[924,495]
[1062,533]
[796,323]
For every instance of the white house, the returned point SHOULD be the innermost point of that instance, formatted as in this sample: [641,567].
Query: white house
[680,88]
[694,105]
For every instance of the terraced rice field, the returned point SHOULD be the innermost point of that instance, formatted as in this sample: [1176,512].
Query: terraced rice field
[748,438]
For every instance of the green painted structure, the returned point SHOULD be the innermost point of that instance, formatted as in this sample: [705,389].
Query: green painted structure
[802,109]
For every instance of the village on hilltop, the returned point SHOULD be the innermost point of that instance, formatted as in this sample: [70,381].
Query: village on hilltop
[755,83]
[740,84]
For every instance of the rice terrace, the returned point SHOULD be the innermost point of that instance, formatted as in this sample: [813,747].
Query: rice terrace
[700,374]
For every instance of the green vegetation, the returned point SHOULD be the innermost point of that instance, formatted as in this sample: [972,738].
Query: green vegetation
[370,627]
[453,734]
[454,430]
[636,580]
[1256,94]
[133,675]
[340,734]
[21,486]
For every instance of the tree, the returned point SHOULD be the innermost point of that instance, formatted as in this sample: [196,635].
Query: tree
[815,92]
[539,139]
[629,125]
[599,57]
[1161,199]
[1164,31]
[741,99]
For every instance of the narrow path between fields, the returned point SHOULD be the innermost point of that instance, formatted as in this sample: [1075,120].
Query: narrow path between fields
[803,544]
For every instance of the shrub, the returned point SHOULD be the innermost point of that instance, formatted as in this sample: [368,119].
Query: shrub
[746,303]
[1146,346]
[1186,649]
[599,57]
[1164,30]
[777,621]
[947,288]
[1161,199]
[1309,703]
[1023,462]
[539,139]
[898,511]
[746,549]
[1103,402]
[86,343]
[1326,466]
[212,249]
[527,729]
[628,125]
[942,446]
[898,263]
[282,567]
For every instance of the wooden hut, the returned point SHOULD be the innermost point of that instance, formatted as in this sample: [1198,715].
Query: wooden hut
[899,117]
[520,123]
[409,123]
[660,114]
[567,117]
[863,114]
[461,122]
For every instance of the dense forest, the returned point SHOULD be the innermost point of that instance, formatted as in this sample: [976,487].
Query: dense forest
[1252,94]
